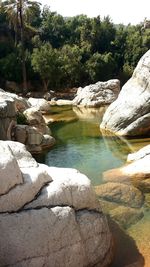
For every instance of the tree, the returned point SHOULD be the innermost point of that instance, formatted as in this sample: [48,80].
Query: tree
[16,12]
[45,62]
[71,65]
[53,28]
[100,67]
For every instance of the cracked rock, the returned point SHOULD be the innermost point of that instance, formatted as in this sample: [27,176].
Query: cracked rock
[51,218]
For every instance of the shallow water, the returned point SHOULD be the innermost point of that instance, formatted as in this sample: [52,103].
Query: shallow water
[81,145]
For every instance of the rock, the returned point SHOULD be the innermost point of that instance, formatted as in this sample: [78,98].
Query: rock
[34,137]
[20,103]
[56,236]
[48,141]
[55,224]
[38,133]
[7,119]
[143,185]
[61,102]
[10,174]
[136,173]
[96,95]
[141,234]
[69,187]
[34,116]
[23,157]
[9,105]
[40,104]
[33,180]
[144,151]
[120,193]
[116,176]
[129,115]
[126,216]
[21,133]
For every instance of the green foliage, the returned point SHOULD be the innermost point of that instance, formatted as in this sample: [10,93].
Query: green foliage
[45,62]
[21,119]
[52,28]
[101,67]
[66,52]
[10,67]
[71,66]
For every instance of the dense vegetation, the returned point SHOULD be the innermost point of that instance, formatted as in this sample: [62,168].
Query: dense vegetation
[41,49]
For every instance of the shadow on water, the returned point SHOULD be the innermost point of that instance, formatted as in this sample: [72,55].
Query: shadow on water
[126,251]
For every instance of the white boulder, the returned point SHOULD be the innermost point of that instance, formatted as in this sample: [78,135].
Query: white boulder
[51,218]
[98,94]
[129,115]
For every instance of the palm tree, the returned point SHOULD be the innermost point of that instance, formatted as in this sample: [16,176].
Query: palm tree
[16,12]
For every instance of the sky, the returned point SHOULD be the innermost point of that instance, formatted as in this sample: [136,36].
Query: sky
[120,11]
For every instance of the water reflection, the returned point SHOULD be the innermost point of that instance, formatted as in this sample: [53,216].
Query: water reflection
[94,114]
[81,145]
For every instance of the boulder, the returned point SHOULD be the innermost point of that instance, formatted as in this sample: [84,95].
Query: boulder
[8,168]
[7,118]
[20,103]
[129,115]
[34,116]
[61,102]
[48,141]
[20,133]
[66,189]
[135,173]
[96,95]
[144,151]
[50,217]
[37,132]
[40,104]
[120,193]
[10,104]
[126,216]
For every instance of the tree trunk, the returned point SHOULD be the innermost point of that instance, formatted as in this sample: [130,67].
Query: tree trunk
[24,74]
[45,83]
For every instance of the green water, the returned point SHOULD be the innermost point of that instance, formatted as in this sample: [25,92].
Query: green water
[81,145]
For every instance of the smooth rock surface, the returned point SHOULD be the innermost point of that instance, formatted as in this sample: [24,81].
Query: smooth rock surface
[10,174]
[126,216]
[51,218]
[98,94]
[40,104]
[68,187]
[144,151]
[129,115]
[38,133]
[121,194]
[20,103]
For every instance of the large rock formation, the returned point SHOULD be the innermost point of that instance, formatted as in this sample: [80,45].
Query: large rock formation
[40,104]
[31,129]
[9,104]
[48,216]
[96,95]
[129,115]
[126,190]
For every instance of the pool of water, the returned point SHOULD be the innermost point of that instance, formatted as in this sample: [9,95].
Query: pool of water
[81,145]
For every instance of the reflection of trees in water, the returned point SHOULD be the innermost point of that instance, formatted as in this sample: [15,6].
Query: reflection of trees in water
[90,113]
[119,146]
